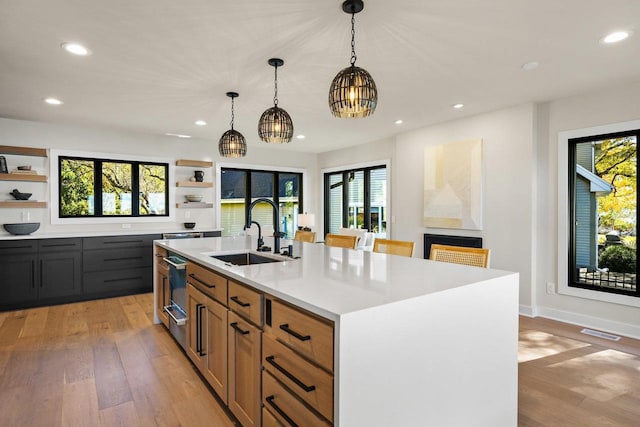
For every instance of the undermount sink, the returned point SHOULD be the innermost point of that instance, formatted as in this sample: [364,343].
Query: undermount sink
[245,258]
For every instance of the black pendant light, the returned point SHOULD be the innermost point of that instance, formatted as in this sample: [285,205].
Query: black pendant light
[232,143]
[275,124]
[353,92]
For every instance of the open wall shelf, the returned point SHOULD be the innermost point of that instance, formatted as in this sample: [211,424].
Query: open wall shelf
[22,204]
[194,163]
[22,177]
[23,151]
[194,184]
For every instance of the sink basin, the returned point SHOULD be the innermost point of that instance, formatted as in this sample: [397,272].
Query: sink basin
[245,258]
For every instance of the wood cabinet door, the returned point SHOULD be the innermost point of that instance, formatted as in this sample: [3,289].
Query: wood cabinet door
[60,274]
[244,370]
[216,359]
[196,317]
[163,297]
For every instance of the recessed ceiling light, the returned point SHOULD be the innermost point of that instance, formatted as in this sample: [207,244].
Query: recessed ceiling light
[300,136]
[201,123]
[615,37]
[398,122]
[177,135]
[528,66]
[457,106]
[53,101]
[75,48]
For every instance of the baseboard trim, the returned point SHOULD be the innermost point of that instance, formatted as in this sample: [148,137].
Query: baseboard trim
[618,328]
[527,310]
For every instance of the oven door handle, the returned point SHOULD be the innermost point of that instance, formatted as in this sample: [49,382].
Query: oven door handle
[179,322]
[174,265]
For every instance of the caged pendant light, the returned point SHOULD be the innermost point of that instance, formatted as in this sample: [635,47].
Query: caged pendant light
[275,124]
[232,142]
[353,92]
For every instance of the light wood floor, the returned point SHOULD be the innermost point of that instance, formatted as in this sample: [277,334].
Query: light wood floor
[103,363]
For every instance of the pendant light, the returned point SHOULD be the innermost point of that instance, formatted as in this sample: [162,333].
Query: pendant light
[353,92]
[275,124]
[232,143]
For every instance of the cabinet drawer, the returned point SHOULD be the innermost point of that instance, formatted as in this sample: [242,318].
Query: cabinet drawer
[303,332]
[12,247]
[55,245]
[285,406]
[246,302]
[308,382]
[207,281]
[118,281]
[109,259]
[110,242]
[269,420]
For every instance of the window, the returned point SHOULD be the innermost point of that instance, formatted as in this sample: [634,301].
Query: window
[112,188]
[603,212]
[240,187]
[356,198]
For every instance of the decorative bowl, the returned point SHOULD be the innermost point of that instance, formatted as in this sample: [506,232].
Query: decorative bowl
[193,197]
[20,196]
[24,168]
[22,228]
[189,225]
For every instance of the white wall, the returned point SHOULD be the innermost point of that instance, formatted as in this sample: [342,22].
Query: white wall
[86,139]
[508,186]
[602,107]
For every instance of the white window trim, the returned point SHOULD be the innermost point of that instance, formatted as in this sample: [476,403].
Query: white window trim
[55,196]
[385,162]
[220,166]
[563,213]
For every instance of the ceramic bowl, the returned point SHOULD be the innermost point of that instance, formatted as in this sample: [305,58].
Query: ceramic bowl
[193,197]
[189,225]
[22,228]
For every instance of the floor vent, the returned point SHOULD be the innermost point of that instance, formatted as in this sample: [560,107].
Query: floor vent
[599,334]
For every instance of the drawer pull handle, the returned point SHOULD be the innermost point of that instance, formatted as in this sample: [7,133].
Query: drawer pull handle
[235,326]
[285,328]
[123,259]
[240,303]
[194,277]
[307,388]
[122,279]
[270,401]
[122,241]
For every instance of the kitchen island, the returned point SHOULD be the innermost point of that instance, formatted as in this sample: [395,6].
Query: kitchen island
[414,342]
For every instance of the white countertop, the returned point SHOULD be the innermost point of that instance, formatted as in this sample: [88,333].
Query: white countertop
[334,282]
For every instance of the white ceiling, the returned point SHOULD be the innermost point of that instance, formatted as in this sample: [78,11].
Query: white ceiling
[159,65]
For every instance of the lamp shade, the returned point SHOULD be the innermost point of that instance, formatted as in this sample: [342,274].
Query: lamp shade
[232,144]
[306,220]
[275,126]
[353,93]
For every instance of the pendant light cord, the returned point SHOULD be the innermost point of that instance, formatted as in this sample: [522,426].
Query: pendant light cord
[275,97]
[232,114]
[353,39]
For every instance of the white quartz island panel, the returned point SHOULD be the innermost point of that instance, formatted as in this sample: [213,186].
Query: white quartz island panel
[417,342]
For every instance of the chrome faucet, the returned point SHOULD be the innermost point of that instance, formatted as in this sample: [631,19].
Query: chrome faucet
[276,224]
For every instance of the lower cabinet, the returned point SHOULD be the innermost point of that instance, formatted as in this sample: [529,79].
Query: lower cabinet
[19,279]
[163,294]
[60,274]
[244,370]
[207,339]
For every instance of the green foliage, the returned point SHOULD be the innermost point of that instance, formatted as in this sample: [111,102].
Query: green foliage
[618,259]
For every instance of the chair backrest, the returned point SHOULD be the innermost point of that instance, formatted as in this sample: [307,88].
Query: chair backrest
[394,247]
[460,255]
[341,241]
[360,233]
[305,236]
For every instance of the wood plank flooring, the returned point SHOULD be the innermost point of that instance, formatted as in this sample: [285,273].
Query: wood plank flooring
[103,363]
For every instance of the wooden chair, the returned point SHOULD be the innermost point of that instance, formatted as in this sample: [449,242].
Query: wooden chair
[305,236]
[341,241]
[477,257]
[394,247]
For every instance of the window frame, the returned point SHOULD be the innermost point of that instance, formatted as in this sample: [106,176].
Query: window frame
[573,142]
[563,218]
[259,169]
[386,164]
[54,174]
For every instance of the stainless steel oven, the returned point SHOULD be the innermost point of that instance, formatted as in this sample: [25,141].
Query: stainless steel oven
[177,309]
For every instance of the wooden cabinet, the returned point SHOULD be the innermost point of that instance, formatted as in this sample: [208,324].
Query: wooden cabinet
[207,281]
[207,338]
[19,280]
[246,302]
[297,355]
[244,350]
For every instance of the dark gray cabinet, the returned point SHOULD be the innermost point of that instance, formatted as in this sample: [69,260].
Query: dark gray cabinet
[37,272]
[118,265]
